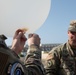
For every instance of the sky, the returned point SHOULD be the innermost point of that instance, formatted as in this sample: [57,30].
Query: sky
[54,29]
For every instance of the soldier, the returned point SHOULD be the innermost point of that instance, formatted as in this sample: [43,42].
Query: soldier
[61,60]
[2,40]
[10,63]
[33,64]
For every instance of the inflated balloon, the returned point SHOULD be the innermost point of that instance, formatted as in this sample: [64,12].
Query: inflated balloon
[15,14]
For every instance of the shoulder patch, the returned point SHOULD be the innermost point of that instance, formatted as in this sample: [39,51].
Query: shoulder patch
[15,69]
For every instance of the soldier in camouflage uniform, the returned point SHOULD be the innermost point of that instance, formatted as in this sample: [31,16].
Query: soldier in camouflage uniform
[32,64]
[61,60]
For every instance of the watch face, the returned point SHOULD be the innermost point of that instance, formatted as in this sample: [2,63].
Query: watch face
[15,69]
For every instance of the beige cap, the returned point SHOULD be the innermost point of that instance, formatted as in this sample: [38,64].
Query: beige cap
[72,26]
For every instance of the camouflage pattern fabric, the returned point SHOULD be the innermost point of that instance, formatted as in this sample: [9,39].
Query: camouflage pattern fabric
[61,60]
[13,66]
[33,61]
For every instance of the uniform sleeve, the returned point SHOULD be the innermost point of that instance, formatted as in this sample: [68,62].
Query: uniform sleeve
[33,61]
[52,63]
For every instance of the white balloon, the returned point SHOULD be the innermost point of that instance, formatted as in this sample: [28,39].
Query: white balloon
[30,14]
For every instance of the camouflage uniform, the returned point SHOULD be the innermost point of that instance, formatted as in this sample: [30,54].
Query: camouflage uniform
[61,60]
[33,61]
[11,65]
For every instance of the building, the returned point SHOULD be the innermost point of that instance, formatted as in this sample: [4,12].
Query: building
[45,47]
[48,47]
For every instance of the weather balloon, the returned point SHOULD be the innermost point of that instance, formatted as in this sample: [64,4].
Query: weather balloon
[15,14]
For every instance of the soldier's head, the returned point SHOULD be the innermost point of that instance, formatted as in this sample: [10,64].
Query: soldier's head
[2,40]
[3,37]
[72,33]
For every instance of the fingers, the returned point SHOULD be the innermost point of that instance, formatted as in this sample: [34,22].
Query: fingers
[30,35]
[33,35]
[33,39]
[16,33]
[19,34]
[36,36]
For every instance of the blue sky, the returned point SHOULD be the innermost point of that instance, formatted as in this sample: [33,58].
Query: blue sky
[54,29]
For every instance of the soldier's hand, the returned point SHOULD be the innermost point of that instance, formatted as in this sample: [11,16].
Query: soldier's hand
[19,40]
[33,39]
